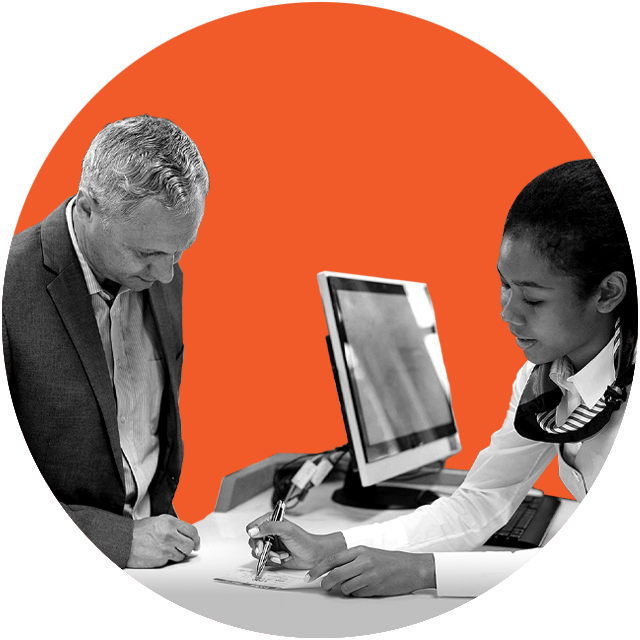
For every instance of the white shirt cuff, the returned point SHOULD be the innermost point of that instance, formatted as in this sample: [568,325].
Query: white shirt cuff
[471,573]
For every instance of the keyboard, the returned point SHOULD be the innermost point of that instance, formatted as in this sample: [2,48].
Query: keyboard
[527,526]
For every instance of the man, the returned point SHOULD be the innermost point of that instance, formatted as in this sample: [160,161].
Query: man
[92,336]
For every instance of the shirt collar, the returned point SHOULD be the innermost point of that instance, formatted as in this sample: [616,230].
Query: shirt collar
[93,285]
[592,380]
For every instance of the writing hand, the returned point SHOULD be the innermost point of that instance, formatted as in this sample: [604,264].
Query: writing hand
[160,539]
[299,549]
[364,572]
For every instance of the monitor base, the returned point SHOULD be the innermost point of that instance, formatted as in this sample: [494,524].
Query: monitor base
[378,497]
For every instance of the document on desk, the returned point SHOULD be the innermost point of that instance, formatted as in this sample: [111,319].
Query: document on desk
[268,580]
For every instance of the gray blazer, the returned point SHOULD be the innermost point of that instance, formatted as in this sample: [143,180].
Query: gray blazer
[61,389]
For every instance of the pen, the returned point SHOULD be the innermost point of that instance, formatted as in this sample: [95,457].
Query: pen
[276,516]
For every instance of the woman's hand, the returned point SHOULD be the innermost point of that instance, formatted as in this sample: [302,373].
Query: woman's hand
[363,572]
[298,549]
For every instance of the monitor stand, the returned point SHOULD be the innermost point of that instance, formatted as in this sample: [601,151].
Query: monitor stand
[378,497]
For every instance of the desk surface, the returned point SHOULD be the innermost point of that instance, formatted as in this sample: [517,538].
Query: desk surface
[302,613]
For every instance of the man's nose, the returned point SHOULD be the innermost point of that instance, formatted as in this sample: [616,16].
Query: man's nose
[163,270]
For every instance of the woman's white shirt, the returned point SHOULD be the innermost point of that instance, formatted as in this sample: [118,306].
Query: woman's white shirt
[497,483]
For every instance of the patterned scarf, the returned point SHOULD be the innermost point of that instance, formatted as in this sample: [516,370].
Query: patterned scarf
[535,417]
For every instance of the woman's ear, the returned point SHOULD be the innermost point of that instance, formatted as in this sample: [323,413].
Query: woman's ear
[611,292]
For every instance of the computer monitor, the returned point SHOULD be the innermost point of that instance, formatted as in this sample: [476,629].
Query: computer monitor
[392,384]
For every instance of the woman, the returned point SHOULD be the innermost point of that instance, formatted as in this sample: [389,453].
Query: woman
[568,294]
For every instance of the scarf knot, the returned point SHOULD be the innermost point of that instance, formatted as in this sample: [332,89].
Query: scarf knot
[614,396]
[535,417]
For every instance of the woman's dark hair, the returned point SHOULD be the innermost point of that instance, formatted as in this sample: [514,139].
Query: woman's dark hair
[570,217]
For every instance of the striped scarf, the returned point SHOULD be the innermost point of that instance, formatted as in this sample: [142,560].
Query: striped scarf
[536,415]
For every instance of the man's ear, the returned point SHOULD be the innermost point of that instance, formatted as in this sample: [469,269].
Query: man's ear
[611,292]
[86,206]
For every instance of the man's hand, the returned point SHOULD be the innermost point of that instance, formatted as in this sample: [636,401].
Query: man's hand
[159,539]
[299,548]
[363,572]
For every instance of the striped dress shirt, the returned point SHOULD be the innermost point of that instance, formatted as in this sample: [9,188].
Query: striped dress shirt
[131,348]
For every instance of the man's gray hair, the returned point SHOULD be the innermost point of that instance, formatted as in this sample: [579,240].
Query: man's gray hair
[141,157]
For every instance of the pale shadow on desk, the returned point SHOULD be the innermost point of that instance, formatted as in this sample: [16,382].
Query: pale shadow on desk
[188,560]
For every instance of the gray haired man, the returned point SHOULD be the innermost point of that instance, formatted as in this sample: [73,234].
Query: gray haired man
[92,337]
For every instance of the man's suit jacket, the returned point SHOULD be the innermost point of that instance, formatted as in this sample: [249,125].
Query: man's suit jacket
[61,390]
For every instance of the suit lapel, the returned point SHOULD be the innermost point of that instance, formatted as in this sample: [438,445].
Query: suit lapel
[68,290]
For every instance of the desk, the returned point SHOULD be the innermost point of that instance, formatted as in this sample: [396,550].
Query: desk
[307,612]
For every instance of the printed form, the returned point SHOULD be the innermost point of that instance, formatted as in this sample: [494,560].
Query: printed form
[269,579]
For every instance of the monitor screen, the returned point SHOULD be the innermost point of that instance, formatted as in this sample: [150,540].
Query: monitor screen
[390,374]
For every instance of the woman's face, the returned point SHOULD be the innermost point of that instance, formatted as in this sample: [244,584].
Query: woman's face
[543,310]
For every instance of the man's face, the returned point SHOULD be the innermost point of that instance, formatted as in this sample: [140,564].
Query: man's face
[544,312]
[142,250]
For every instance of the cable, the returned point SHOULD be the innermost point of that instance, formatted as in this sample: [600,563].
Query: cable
[293,480]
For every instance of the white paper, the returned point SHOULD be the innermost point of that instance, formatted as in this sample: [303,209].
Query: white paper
[270,579]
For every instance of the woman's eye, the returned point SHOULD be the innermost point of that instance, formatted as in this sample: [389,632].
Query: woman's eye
[531,303]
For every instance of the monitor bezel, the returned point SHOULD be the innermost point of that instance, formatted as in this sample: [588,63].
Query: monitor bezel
[376,471]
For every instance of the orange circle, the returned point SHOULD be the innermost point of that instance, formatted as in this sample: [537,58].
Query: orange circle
[338,137]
